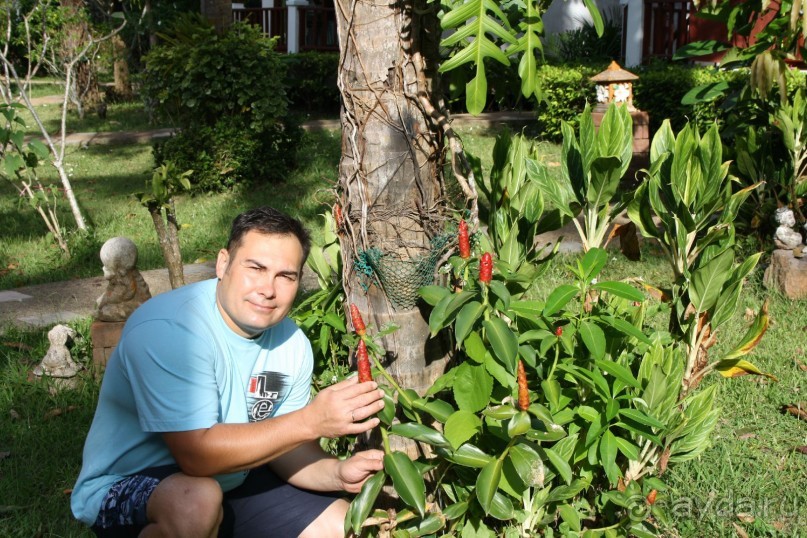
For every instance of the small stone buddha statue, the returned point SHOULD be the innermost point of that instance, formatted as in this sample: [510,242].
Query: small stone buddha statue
[126,289]
[785,237]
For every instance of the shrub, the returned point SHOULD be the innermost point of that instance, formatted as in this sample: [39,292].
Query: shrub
[565,91]
[661,86]
[228,153]
[226,94]
[311,81]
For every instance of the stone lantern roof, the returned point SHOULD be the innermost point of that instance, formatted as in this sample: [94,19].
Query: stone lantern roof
[614,73]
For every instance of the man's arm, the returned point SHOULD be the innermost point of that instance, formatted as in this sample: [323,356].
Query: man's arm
[309,467]
[225,448]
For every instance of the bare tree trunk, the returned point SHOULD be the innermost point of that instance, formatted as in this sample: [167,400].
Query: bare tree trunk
[123,85]
[169,244]
[390,180]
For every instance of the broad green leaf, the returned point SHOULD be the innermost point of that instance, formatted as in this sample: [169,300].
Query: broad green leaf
[363,503]
[560,464]
[527,461]
[570,516]
[488,482]
[620,289]
[461,426]
[641,418]
[466,320]
[447,308]
[407,480]
[704,47]
[528,309]
[476,91]
[472,387]
[519,424]
[626,328]
[439,409]
[628,449]
[475,347]
[559,298]
[593,337]
[707,281]
[592,263]
[501,507]
[596,17]
[503,341]
[467,455]
[705,93]
[608,448]
[739,367]
[620,372]
[420,432]
[433,294]
[500,290]
[561,493]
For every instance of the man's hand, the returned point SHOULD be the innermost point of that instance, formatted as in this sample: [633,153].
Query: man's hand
[341,409]
[354,471]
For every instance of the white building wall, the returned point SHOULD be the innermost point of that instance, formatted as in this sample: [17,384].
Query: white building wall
[565,15]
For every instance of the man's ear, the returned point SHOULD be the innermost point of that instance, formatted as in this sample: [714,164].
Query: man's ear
[222,260]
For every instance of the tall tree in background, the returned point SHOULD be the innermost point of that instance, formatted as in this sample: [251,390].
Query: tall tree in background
[396,143]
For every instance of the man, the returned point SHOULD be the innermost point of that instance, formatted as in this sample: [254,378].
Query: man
[204,426]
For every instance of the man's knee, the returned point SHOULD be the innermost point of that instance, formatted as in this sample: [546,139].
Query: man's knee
[330,523]
[183,505]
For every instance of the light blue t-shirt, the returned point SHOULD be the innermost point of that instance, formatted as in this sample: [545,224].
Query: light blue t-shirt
[179,367]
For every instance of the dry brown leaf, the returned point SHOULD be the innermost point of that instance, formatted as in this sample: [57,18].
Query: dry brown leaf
[745,517]
[68,491]
[749,315]
[746,436]
[802,449]
[801,365]
[55,412]
[779,525]
[739,530]
[798,410]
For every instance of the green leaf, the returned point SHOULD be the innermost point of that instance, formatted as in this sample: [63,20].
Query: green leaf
[500,290]
[705,93]
[593,337]
[467,455]
[628,449]
[528,309]
[466,320]
[475,347]
[433,294]
[560,464]
[751,338]
[626,327]
[420,432]
[439,409]
[641,418]
[407,480]
[707,281]
[699,48]
[608,448]
[503,341]
[461,426]
[488,482]
[620,289]
[619,372]
[472,387]
[559,298]
[592,263]
[363,503]
[570,516]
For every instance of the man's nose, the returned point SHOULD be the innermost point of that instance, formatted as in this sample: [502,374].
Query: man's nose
[266,287]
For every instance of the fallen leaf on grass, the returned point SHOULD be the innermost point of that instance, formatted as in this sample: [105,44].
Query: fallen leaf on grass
[798,410]
[749,315]
[68,491]
[18,345]
[802,449]
[746,436]
[745,517]
[739,530]
[59,411]
[801,365]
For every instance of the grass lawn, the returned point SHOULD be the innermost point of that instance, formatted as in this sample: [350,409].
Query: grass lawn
[751,482]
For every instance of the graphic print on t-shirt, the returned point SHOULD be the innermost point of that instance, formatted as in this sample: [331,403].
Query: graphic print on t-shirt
[265,390]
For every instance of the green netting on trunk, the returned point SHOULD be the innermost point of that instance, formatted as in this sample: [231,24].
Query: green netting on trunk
[401,278]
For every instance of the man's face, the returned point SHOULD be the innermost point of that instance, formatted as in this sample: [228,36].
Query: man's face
[258,282]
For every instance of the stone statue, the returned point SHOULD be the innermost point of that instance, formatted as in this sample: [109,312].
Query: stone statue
[126,289]
[785,237]
[57,362]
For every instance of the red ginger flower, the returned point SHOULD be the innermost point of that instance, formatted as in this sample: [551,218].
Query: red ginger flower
[486,268]
[363,363]
[559,330]
[465,242]
[358,323]
[523,391]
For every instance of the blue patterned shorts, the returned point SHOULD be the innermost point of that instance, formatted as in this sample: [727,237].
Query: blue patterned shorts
[126,502]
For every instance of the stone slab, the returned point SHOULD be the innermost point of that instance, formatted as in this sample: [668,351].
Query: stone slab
[7,296]
[50,318]
[787,274]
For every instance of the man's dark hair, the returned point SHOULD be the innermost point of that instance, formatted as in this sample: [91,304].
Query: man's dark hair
[269,221]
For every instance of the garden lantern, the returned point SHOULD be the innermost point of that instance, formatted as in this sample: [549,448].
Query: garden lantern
[614,85]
